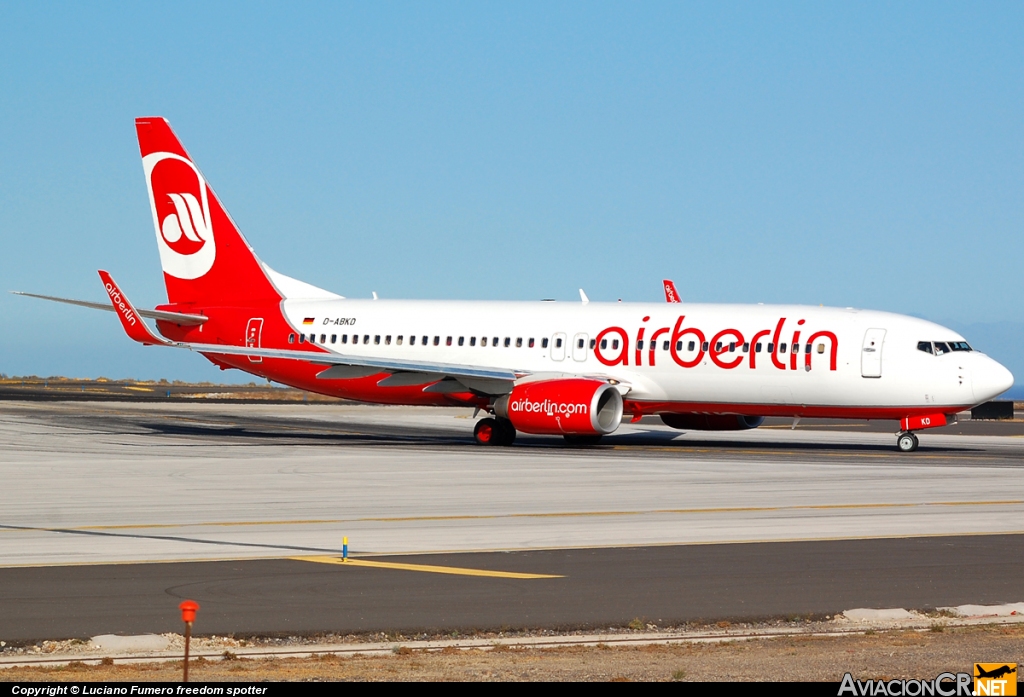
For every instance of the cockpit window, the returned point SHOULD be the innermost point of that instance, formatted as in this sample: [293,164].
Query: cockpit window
[960,346]
[941,348]
[925,346]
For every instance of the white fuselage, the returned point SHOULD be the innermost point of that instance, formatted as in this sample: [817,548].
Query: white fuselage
[879,368]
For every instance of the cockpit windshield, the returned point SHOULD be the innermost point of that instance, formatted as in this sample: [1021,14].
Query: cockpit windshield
[939,348]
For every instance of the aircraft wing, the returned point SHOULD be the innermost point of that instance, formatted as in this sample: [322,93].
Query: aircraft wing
[176,317]
[491,380]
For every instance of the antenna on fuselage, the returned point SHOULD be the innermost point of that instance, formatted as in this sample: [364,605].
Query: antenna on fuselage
[374,294]
[583,297]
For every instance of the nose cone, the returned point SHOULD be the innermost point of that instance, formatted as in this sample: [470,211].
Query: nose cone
[990,379]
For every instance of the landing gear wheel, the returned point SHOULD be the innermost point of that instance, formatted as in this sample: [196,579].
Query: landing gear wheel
[494,432]
[506,432]
[906,442]
[485,432]
[577,441]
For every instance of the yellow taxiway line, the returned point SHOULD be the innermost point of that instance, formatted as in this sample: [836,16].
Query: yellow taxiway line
[426,568]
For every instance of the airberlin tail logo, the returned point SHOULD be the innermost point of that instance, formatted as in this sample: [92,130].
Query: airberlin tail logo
[181,213]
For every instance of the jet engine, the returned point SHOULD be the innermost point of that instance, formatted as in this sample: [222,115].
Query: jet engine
[711,422]
[568,407]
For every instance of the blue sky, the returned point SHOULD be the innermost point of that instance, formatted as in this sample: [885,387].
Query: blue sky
[843,153]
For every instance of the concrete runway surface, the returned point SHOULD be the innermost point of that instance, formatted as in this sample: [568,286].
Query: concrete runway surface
[112,484]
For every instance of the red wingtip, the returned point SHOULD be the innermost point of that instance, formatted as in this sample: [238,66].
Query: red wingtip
[671,295]
[130,319]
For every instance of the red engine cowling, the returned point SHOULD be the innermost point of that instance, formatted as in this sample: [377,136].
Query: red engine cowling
[574,406]
[711,422]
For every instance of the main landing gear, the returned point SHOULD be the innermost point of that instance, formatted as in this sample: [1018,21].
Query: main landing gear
[494,432]
[906,442]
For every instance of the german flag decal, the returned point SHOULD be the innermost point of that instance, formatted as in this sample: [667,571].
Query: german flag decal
[307,321]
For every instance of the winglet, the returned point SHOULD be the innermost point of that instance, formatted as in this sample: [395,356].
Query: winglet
[671,296]
[129,316]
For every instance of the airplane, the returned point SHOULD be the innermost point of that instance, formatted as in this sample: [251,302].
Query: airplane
[558,368]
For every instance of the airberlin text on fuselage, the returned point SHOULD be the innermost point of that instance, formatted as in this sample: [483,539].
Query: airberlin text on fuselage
[119,302]
[717,346]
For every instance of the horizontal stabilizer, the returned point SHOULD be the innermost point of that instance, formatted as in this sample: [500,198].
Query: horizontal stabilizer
[175,317]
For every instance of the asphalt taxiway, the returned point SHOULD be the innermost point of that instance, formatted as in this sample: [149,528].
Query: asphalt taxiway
[108,508]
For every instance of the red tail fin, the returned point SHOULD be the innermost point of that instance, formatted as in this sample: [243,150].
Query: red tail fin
[205,259]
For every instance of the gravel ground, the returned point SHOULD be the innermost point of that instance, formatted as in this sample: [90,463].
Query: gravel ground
[884,654]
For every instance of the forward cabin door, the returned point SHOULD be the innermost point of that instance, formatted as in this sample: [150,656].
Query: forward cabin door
[871,353]
[252,336]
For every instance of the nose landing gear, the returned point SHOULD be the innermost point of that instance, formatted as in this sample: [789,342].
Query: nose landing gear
[906,442]
[494,432]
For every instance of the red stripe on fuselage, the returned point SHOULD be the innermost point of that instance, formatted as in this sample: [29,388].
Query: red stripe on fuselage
[788,410]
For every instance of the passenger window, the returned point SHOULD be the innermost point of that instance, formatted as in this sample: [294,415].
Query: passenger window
[664,346]
[334,338]
[640,345]
[412,339]
[579,343]
[746,347]
[387,340]
[704,346]
[807,348]
[679,345]
[757,347]
[494,341]
[691,346]
[732,347]
[718,346]
[782,348]
[558,343]
[771,347]
[302,338]
[448,341]
[399,341]
[615,344]
[544,343]
[796,348]
[593,343]
[472,341]
[821,348]
[531,342]
[462,340]
[437,341]
[366,338]
[323,338]
[519,342]
[291,338]
[344,338]
[376,339]
[425,340]
[508,342]
[604,344]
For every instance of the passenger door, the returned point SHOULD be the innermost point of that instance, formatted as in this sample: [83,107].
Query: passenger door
[871,353]
[252,337]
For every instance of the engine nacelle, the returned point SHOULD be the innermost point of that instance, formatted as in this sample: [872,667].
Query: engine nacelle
[711,422]
[573,406]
